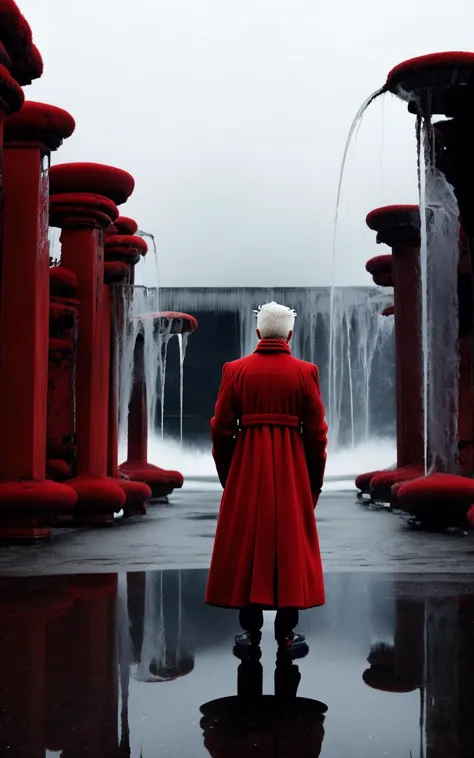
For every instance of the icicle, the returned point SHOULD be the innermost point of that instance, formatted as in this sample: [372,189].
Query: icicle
[182,341]
[133,306]
[163,341]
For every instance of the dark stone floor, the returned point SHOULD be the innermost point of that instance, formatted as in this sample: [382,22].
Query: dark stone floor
[180,535]
[108,650]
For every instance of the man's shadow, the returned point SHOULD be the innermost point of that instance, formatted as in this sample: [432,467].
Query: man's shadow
[251,723]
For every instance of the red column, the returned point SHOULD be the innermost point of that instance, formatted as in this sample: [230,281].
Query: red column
[83,205]
[82,251]
[398,226]
[408,354]
[29,137]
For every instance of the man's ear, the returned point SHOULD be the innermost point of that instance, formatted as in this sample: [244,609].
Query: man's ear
[290,335]
[258,334]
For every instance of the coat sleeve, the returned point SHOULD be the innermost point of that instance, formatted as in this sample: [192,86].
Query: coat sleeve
[314,431]
[224,425]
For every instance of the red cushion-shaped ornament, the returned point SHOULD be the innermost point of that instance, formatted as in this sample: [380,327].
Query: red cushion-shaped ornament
[125,225]
[176,322]
[82,209]
[389,311]
[38,122]
[97,494]
[10,91]
[152,475]
[384,480]
[28,66]
[61,315]
[115,271]
[94,178]
[15,29]
[129,256]
[438,497]
[135,492]
[57,470]
[434,70]
[62,282]
[362,481]
[439,488]
[381,269]
[126,241]
[60,346]
[389,216]
[30,496]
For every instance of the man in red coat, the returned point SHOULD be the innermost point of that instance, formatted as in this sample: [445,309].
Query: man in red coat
[269,446]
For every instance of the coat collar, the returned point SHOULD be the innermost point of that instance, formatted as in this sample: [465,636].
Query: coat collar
[273,346]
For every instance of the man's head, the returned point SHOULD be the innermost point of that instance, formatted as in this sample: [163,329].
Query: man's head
[275,321]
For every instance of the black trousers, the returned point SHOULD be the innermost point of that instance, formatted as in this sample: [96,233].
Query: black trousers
[251,620]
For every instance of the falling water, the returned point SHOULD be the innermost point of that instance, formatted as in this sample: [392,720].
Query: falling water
[182,341]
[148,269]
[439,255]
[362,372]
[132,306]
[153,653]
[166,651]
[164,339]
[355,125]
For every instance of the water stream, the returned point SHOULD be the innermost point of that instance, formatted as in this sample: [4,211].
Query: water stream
[439,256]
[332,399]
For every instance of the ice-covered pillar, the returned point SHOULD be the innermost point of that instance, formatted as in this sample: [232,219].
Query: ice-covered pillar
[398,227]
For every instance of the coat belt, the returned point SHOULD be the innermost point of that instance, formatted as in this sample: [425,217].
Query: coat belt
[270,419]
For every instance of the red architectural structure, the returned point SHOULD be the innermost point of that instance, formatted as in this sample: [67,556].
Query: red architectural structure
[29,137]
[399,227]
[58,448]
[433,85]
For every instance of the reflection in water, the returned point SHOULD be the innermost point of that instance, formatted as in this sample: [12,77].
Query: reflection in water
[120,666]
[265,725]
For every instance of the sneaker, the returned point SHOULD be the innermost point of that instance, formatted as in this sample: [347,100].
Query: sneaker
[294,645]
[248,639]
[247,645]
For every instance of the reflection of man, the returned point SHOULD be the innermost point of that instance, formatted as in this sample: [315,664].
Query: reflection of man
[264,725]
[269,443]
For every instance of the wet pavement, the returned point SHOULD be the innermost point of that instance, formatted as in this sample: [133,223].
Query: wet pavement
[136,665]
[180,535]
[107,648]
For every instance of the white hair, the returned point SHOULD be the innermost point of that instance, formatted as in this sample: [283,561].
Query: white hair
[275,321]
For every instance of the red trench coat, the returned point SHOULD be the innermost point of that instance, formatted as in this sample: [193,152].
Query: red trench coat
[269,446]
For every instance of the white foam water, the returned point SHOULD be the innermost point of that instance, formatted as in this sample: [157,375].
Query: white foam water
[197,465]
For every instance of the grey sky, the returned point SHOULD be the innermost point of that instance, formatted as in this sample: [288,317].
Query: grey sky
[232,115]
